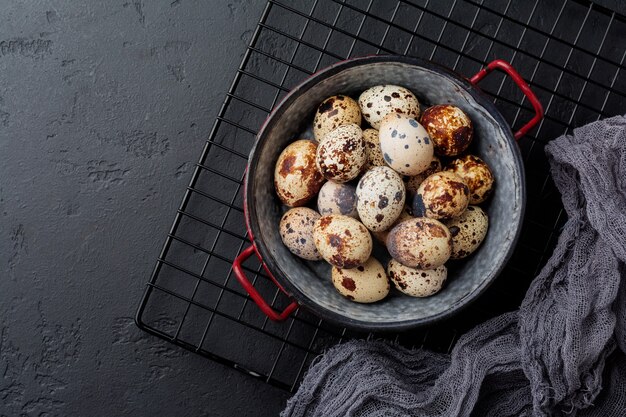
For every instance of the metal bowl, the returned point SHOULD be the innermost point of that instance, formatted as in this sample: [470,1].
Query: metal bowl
[308,283]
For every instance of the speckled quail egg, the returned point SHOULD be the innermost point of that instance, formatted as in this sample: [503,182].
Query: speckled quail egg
[334,112]
[382,235]
[449,128]
[296,178]
[405,144]
[366,283]
[341,155]
[296,232]
[476,174]
[416,282]
[342,241]
[372,146]
[442,195]
[337,198]
[412,183]
[420,243]
[379,198]
[378,101]
[468,231]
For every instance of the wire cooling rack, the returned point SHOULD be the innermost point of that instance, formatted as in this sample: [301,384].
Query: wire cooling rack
[572,53]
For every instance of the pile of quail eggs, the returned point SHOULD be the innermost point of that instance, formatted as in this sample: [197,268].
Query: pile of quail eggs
[387,182]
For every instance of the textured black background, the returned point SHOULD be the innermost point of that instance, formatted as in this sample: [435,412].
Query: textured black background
[104,108]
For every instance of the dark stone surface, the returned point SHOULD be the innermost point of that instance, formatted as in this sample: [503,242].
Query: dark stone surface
[618,6]
[104,108]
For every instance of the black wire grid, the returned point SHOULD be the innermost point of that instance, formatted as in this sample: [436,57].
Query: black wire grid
[571,53]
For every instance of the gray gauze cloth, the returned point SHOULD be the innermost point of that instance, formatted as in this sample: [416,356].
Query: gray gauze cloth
[561,353]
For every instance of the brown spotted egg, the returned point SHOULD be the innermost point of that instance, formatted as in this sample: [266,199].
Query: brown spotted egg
[416,282]
[442,195]
[341,155]
[449,128]
[342,241]
[380,198]
[334,112]
[378,101]
[476,174]
[412,183]
[468,231]
[372,146]
[336,198]
[296,232]
[420,243]
[382,235]
[366,283]
[405,144]
[296,178]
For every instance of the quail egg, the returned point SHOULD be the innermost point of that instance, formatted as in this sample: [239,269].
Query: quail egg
[296,178]
[416,282]
[405,144]
[378,101]
[468,231]
[476,174]
[334,112]
[296,232]
[337,198]
[380,198]
[342,241]
[420,243]
[382,235]
[449,128]
[412,183]
[366,283]
[341,155]
[372,146]
[442,195]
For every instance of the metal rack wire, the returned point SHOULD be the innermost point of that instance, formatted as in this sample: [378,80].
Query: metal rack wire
[571,53]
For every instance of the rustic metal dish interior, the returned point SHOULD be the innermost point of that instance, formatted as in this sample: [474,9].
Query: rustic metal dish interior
[309,282]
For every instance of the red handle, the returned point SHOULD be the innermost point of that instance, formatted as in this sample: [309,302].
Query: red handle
[506,67]
[267,309]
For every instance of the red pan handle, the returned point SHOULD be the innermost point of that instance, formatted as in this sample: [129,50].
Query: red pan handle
[265,307]
[532,98]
